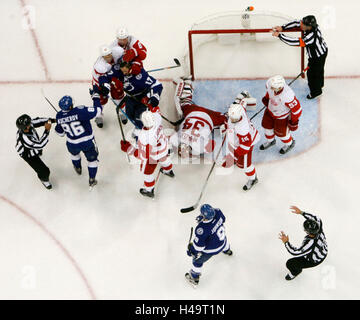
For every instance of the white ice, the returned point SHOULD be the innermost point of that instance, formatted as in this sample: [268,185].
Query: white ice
[112,243]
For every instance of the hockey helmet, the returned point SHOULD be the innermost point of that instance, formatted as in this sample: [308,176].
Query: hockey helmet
[235,112]
[311,227]
[310,21]
[105,51]
[277,83]
[122,33]
[147,118]
[23,122]
[66,103]
[207,211]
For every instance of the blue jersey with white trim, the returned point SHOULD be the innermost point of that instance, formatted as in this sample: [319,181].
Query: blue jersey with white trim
[210,235]
[75,123]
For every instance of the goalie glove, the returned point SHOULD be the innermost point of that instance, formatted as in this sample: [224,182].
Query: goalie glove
[293,125]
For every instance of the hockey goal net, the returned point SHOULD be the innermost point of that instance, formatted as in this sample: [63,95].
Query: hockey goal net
[239,45]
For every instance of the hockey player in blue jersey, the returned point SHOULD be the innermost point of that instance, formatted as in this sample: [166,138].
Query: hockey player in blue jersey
[210,239]
[74,122]
[143,91]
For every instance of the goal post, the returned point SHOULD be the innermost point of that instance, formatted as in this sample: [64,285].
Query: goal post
[233,29]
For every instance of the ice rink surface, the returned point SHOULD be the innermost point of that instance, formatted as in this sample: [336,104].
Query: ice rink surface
[111,243]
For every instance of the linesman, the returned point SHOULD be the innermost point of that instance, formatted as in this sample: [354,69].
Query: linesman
[316,49]
[313,250]
[29,145]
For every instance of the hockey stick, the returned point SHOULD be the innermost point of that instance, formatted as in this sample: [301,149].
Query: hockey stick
[176,123]
[165,68]
[120,124]
[42,91]
[290,83]
[124,113]
[185,210]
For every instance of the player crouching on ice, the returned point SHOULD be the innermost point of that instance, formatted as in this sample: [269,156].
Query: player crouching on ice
[241,137]
[152,149]
[281,115]
[210,239]
[194,135]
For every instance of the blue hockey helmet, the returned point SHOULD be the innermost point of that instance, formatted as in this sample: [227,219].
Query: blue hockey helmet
[207,211]
[65,103]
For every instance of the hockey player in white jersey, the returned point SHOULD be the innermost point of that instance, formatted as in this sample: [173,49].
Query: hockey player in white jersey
[281,115]
[103,65]
[194,136]
[241,137]
[134,51]
[152,149]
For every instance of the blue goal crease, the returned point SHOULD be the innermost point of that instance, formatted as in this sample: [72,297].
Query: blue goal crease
[219,94]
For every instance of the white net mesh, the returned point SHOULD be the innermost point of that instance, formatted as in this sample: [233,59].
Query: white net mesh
[254,49]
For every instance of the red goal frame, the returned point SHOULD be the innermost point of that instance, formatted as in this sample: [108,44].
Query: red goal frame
[224,31]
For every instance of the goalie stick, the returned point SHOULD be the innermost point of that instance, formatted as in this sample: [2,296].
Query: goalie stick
[178,64]
[186,210]
[290,83]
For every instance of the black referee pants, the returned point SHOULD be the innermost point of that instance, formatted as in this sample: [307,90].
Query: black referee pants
[43,172]
[315,74]
[296,265]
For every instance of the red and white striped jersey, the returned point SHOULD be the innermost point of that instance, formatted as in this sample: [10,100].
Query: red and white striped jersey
[196,128]
[152,143]
[101,67]
[282,104]
[241,135]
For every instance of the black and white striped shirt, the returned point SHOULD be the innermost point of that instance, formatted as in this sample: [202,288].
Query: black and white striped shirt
[313,249]
[28,144]
[312,40]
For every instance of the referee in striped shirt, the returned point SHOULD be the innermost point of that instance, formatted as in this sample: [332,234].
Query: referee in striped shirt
[316,49]
[29,145]
[313,250]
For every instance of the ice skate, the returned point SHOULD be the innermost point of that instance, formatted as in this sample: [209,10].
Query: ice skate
[250,184]
[99,122]
[267,144]
[193,281]
[228,252]
[287,148]
[46,184]
[289,277]
[147,193]
[92,182]
[170,174]
[78,170]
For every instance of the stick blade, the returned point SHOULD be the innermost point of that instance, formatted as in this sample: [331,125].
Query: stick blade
[186,210]
[177,62]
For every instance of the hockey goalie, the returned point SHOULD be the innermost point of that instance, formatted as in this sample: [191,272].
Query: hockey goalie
[194,137]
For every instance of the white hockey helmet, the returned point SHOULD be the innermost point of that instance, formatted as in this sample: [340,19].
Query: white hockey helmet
[122,33]
[105,51]
[277,82]
[147,118]
[235,111]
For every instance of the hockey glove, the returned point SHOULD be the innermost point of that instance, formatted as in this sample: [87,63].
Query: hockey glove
[52,120]
[105,89]
[191,252]
[228,161]
[125,145]
[293,125]
[265,101]
[151,104]
[129,55]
